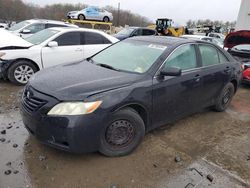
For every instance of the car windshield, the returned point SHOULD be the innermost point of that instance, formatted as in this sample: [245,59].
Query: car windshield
[41,36]
[129,56]
[18,26]
[126,31]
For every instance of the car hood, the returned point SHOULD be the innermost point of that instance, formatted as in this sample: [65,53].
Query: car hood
[8,39]
[77,81]
[73,12]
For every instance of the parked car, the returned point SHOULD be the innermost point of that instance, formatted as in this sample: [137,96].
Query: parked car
[242,50]
[237,38]
[109,101]
[21,59]
[205,38]
[91,13]
[3,25]
[27,28]
[246,73]
[217,35]
[134,31]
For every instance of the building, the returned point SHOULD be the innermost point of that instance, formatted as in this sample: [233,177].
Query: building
[243,21]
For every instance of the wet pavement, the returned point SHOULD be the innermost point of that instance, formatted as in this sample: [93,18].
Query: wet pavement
[208,149]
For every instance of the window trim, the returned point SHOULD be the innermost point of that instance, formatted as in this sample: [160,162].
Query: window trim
[184,71]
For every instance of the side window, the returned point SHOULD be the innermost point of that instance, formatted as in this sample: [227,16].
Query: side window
[209,55]
[88,38]
[54,25]
[137,32]
[183,57]
[35,28]
[68,39]
[223,58]
[148,32]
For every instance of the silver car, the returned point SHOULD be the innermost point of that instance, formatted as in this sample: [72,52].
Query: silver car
[91,13]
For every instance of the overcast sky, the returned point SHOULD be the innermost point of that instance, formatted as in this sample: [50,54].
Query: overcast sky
[179,10]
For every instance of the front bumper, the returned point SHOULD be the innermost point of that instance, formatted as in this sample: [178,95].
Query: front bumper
[77,134]
[4,65]
[72,16]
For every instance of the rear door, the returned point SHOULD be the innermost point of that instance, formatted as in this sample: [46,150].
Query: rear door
[68,50]
[216,72]
[93,42]
[174,97]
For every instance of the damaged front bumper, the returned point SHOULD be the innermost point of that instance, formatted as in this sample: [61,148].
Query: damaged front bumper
[4,65]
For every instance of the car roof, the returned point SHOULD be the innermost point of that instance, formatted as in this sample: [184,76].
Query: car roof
[47,21]
[163,40]
[134,27]
[75,29]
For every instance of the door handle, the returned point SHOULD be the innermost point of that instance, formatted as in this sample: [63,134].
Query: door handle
[79,50]
[227,70]
[197,78]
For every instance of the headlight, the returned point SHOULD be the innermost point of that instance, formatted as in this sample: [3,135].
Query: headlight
[2,54]
[74,108]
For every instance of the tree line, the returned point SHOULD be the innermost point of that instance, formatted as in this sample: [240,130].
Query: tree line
[17,10]
[208,22]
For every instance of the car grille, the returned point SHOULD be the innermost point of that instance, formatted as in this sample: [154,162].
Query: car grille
[30,102]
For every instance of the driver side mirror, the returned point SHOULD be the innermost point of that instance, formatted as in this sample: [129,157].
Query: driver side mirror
[170,71]
[26,31]
[53,44]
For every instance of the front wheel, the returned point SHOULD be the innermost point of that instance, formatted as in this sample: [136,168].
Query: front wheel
[106,19]
[122,134]
[21,71]
[81,17]
[225,97]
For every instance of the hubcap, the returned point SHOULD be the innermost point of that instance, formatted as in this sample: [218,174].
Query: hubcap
[23,73]
[119,133]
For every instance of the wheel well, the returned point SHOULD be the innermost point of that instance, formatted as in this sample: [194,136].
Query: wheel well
[234,82]
[20,59]
[140,110]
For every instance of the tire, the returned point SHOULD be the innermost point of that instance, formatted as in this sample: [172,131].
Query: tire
[21,71]
[81,17]
[106,19]
[225,97]
[131,127]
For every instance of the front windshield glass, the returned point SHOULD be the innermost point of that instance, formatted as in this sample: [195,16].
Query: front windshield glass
[41,36]
[126,31]
[131,56]
[18,26]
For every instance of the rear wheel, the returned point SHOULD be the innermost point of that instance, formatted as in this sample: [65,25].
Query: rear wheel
[21,71]
[225,97]
[81,17]
[106,19]
[122,134]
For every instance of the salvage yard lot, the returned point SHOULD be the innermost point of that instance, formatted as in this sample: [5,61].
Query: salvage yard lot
[207,143]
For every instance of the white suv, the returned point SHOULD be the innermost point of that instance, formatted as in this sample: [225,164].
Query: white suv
[20,59]
[27,28]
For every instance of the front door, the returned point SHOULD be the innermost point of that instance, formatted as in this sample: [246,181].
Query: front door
[174,97]
[68,50]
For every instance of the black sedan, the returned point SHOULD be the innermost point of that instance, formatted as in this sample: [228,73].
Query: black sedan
[108,102]
[134,31]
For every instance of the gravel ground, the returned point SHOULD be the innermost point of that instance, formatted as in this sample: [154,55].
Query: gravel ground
[208,149]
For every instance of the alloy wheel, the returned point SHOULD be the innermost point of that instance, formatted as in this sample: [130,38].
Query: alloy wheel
[23,73]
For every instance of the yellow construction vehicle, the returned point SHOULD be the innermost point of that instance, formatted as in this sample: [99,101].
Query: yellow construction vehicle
[164,26]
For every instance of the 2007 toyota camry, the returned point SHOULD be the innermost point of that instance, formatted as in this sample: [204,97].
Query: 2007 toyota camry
[108,102]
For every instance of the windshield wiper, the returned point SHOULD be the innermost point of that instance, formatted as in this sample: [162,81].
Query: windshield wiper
[108,66]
